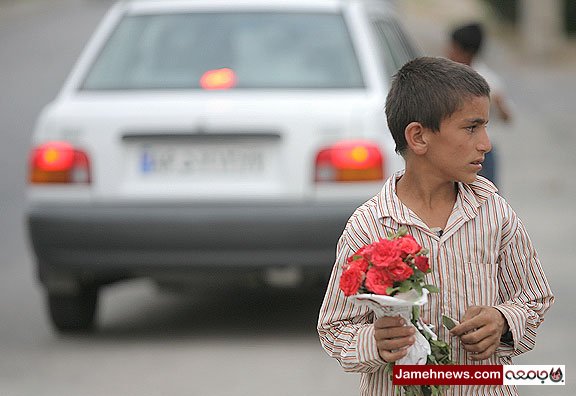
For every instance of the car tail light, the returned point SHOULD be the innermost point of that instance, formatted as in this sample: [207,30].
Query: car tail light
[59,162]
[218,79]
[349,161]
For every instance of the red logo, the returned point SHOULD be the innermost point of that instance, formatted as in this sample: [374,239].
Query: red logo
[556,376]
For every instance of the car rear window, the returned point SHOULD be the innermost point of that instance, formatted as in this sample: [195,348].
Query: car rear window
[223,50]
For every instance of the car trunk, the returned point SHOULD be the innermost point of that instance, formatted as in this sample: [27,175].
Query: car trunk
[212,146]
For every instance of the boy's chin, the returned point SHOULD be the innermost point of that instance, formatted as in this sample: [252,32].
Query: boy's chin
[467,179]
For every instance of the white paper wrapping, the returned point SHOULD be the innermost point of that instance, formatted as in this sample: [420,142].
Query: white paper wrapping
[401,304]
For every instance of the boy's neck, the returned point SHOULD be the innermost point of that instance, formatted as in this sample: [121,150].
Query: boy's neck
[430,197]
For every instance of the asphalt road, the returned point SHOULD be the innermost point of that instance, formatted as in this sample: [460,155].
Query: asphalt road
[238,343]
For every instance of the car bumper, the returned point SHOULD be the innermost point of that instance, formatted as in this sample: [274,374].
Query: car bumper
[146,240]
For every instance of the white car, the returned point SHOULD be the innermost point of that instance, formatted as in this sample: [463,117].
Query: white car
[213,140]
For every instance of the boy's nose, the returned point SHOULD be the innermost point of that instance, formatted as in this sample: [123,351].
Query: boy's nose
[484,143]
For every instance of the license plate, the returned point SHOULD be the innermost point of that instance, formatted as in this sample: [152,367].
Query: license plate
[201,159]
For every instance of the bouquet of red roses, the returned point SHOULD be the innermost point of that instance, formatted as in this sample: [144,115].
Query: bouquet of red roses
[388,276]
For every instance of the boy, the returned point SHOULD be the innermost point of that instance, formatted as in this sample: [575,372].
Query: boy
[481,257]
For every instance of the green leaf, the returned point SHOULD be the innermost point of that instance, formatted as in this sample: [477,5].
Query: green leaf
[448,322]
[405,286]
[402,231]
[418,288]
[389,367]
[415,313]
[412,390]
[391,290]
[432,288]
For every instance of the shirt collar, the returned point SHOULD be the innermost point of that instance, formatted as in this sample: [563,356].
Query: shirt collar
[470,198]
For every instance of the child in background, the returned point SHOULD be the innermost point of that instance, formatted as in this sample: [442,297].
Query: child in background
[465,45]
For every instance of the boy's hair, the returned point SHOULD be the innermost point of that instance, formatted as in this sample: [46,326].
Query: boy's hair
[428,90]
[469,37]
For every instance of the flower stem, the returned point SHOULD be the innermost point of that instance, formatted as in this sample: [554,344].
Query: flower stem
[415,314]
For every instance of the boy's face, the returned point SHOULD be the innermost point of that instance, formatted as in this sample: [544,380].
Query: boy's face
[458,148]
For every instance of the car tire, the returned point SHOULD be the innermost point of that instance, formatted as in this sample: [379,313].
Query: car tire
[73,312]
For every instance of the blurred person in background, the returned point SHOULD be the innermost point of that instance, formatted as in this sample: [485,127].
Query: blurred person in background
[464,47]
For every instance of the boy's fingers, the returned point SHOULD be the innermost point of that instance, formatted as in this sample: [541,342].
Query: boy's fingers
[488,319]
[484,354]
[473,319]
[395,343]
[477,335]
[389,321]
[393,332]
[393,337]
[471,312]
[465,327]
[389,356]
[480,346]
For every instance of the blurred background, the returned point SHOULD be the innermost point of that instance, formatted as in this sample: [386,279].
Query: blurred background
[246,343]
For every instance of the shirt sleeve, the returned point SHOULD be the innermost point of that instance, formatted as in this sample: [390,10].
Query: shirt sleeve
[346,330]
[524,289]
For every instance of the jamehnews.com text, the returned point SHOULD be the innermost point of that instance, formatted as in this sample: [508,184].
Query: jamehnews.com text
[479,375]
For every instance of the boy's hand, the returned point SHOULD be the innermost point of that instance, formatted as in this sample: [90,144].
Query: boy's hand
[393,338]
[480,331]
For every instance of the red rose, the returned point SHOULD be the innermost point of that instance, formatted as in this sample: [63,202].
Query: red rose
[421,263]
[377,281]
[384,253]
[361,263]
[399,271]
[408,245]
[351,280]
[360,252]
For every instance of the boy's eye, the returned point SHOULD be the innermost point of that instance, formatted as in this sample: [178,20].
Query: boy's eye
[474,127]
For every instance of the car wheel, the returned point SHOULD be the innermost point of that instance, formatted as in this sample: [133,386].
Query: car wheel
[73,312]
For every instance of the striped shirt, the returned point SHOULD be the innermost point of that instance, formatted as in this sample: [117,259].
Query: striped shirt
[483,257]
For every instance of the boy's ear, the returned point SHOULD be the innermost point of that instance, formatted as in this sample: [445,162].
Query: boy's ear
[414,134]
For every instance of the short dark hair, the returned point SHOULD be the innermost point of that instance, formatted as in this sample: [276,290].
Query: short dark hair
[428,90]
[469,37]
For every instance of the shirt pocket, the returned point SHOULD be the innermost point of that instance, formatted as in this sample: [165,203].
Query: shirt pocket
[480,284]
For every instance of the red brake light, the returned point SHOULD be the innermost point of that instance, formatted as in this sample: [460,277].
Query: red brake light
[59,162]
[218,79]
[350,161]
